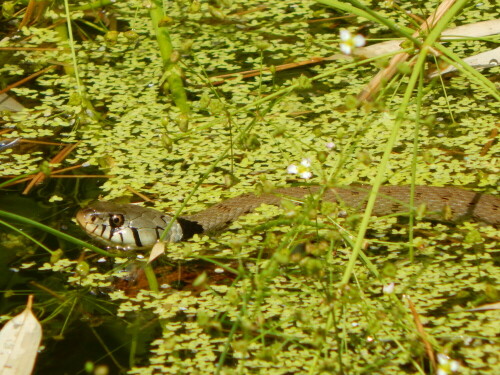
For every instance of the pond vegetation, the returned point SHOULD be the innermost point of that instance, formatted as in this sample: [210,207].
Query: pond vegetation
[183,104]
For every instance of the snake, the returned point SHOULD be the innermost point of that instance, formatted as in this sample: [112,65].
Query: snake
[134,227]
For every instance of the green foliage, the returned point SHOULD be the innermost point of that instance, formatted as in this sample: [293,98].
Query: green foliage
[285,310]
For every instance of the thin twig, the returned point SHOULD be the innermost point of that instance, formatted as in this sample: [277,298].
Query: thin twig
[422,333]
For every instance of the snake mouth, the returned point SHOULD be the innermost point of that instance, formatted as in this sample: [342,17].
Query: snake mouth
[84,217]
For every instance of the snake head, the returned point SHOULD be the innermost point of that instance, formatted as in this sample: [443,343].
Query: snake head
[126,226]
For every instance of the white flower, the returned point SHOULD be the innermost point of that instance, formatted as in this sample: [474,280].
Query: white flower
[330,145]
[442,358]
[454,366]
[349,42]
[302,170]
[388,288]
[446,365]
[306,162]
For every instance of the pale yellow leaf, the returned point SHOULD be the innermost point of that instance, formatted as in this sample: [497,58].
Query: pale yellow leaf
[19,341]
[489,306]
[474,30]
[8,103]
[482,60]
[157,250]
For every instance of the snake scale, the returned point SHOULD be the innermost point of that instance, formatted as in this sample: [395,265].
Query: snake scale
[132,227]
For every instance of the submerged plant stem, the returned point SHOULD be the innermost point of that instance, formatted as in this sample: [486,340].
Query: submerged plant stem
[55,232]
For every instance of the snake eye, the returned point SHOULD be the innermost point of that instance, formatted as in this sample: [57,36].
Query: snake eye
[116,221]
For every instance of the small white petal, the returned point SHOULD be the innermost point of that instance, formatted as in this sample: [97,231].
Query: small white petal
[292,169]
[345,35]
[442,358]
[388,289]
[345,48]
[330,145]
[306,175]
[359,40]
[306,162]
[454,366]
[440,371]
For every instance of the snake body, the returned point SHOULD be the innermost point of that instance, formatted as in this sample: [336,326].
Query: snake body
[132,227]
